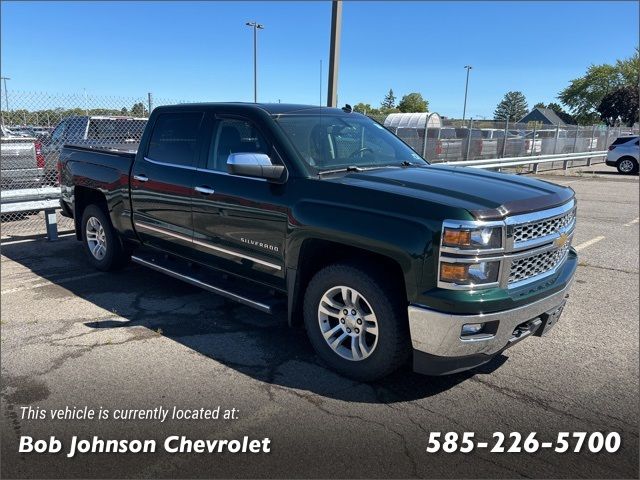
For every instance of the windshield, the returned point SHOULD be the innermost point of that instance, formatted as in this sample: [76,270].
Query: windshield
[328,142]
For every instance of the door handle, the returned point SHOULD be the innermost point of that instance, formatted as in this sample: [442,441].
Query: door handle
[205,190]
[141,178]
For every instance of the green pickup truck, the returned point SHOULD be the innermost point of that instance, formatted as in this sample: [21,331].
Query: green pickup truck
[324,214]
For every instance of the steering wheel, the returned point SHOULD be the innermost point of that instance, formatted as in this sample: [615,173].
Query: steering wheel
[359,151]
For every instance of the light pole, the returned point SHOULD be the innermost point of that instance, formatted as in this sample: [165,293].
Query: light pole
[256,26]
[466,88]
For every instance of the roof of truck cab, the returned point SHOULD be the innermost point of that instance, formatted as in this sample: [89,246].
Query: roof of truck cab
[272,108]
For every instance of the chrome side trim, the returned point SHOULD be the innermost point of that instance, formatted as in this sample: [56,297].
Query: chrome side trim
[206,286]
[208,245]
[163,231]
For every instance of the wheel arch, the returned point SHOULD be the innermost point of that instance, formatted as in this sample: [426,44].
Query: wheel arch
[83,197]
[317,253]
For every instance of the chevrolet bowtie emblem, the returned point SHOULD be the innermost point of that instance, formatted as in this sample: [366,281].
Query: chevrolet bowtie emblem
[561,240]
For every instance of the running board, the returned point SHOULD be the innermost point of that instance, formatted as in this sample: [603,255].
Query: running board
[206,279]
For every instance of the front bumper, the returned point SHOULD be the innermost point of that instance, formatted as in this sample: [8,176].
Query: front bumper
[440,350]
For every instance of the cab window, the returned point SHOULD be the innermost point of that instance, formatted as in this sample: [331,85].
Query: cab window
[234,136]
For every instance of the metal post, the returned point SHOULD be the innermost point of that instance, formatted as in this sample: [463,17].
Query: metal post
[469,138]
[334,53]
[52,224]
[426,130]
[506,136]
[533,140]
[466,87]
[606,139]
[555,143]
[150,101]
[593,135]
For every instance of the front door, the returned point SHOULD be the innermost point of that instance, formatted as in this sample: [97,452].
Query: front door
[162,181]
[239,223]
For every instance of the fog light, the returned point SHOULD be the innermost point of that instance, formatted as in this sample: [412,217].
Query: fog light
[471,329]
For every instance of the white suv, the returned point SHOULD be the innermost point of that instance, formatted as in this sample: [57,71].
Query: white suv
[623,154]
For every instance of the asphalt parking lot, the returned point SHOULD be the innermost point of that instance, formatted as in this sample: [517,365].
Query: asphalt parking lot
[71,336]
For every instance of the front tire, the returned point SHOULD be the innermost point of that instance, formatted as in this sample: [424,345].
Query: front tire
[627,166]
[101,242]
[357,321]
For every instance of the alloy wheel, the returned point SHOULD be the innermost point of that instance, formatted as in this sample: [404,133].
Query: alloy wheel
[348,323]
[96,238]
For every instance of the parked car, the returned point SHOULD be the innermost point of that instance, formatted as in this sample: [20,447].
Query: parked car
[623,154]
[514,146]
[443,145]
[95,131]
[21,165]
[473,151]
[326,214]
[532,143]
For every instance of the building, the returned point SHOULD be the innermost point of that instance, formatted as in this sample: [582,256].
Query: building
[546,116]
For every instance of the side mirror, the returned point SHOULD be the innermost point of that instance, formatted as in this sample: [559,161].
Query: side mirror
[256,165]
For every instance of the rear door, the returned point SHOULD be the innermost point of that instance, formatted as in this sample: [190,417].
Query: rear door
[162,181]
[240,223]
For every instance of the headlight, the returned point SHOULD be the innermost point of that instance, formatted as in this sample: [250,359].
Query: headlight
[469,273]
[472,238]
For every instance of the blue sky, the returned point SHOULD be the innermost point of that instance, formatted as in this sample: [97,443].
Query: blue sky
[203,50]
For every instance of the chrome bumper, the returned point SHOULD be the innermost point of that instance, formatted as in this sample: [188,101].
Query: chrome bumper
[438,334]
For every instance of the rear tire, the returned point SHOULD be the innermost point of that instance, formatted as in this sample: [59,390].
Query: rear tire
[627,166]
[101,242]
[374,330]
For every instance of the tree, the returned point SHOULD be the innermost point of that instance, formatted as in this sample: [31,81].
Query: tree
[139,110]
[564,116]
[585,94]
[389,101]
[366,109]
[540,105]
[621,103]
[513,107]
[413,102]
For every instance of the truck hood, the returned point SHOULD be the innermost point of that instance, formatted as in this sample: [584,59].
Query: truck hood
[486,195]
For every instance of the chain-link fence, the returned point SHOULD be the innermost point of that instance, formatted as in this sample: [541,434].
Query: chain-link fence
[448,140]
[35,126]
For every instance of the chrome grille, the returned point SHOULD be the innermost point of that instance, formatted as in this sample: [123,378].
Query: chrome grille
[542,228]
[534,265]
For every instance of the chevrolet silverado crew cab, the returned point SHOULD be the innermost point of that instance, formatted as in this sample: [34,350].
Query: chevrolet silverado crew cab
[324,214]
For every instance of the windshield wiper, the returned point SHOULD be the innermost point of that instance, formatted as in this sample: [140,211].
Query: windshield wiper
[350,168]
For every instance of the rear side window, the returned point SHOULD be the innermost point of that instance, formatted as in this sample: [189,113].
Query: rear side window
[120,129]
[174,138]
[621,140]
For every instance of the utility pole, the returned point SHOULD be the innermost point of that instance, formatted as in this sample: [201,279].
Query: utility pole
[334,53]
[466,88]
[256,26]
[150,102]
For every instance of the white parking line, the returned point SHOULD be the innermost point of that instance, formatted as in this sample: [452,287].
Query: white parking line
[635,220]
[47,282]
[12,242]
[588,243]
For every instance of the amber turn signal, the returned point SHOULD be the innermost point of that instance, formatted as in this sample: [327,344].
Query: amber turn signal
[456,238]
[454,272]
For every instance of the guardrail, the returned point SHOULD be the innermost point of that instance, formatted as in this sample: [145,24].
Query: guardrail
[531,160]
[26,200]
